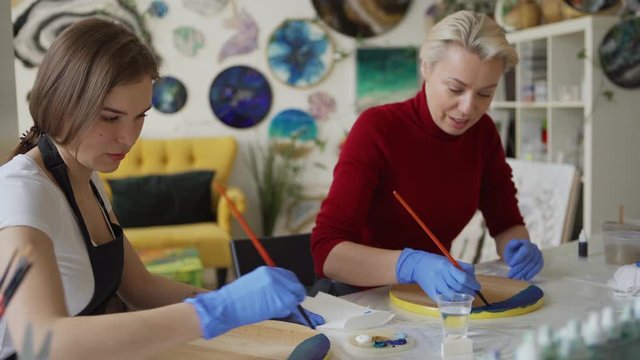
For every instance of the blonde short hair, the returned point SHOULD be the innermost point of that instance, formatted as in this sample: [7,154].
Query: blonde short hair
[475,32]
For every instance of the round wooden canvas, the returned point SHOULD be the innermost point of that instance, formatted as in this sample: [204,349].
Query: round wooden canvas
[507,297]
[267,340]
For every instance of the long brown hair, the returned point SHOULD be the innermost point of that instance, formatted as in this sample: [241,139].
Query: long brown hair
[83,64]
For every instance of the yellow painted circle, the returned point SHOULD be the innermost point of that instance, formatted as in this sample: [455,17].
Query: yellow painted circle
[430,311]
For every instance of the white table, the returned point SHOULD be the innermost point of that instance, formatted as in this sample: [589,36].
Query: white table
[572,287]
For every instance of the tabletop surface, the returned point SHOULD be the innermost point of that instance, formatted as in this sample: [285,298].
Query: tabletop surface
[572,287]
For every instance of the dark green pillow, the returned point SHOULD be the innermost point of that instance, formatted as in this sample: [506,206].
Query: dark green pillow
[153,200]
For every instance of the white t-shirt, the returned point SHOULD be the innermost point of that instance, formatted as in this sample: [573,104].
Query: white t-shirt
[29,198]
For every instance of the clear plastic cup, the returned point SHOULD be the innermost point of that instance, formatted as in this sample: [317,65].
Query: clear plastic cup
[621,243]
[454,311]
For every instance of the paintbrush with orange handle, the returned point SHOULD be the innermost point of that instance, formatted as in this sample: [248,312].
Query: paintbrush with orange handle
[254,239]
[424,227]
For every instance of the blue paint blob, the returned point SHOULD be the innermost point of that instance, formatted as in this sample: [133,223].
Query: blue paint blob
[395,342]
[313,348]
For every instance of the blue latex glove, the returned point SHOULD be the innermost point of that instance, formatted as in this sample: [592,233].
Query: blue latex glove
[296,317]
[435,273]
[524,258]
[265,293]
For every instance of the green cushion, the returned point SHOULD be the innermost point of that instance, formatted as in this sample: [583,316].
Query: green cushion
[155,200]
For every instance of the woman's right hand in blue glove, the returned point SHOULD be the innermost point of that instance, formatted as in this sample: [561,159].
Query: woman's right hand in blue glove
[435,273]
[265,293]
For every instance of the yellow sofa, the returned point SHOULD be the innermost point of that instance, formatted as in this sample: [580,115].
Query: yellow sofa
[170,156]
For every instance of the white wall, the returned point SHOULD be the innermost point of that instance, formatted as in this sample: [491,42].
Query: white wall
[197,119]
[8,112]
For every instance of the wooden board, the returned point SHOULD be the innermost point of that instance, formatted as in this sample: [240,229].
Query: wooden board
[273,340]
[507,297]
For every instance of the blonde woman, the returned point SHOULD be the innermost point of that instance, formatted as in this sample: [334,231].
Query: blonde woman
[88,105]
[442,153]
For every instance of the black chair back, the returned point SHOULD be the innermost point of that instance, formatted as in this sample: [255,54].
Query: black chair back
[292,252]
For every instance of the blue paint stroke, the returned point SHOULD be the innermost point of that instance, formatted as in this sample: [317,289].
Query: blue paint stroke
[526,297]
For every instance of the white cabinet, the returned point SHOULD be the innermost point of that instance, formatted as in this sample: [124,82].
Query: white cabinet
[556,97]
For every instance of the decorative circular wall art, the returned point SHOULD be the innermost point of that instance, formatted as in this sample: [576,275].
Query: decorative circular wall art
[294,133]
[169,95]
[37,25]
[300,53]
[620,54]
[362,18]
[592,7]
[240,96]
[158,9]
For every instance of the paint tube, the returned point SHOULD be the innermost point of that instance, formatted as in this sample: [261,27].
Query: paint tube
[609,325]
[628,330]
[571,345]
[527,350]
[546,345]
[636,315]
[625,344]
[593,337]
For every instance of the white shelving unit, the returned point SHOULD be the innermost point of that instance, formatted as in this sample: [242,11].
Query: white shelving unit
[554,86]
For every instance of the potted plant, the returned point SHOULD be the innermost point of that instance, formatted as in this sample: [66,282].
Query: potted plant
[276,171]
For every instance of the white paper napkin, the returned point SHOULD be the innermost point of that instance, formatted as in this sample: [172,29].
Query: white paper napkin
[626,280]
[344,315]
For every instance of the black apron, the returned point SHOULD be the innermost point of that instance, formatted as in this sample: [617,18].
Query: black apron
[107,260]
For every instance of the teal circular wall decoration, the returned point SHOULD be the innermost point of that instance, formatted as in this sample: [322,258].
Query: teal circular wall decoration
[294,132]
[169,95]
[300,53]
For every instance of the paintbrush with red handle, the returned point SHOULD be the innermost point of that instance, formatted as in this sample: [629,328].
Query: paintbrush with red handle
[254,239]
[433,237]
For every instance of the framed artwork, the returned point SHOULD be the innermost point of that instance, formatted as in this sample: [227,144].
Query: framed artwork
[385,75]
[619,54]
[362,18]
[300,53]
[169,95]
[240,96]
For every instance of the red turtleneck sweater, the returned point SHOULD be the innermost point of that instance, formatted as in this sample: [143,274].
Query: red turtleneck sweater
[444,178]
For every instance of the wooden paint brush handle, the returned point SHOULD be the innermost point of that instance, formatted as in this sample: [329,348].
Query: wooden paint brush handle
[424,227]
[252,236]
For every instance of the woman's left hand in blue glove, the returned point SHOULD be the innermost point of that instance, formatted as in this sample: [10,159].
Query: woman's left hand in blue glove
[524,258]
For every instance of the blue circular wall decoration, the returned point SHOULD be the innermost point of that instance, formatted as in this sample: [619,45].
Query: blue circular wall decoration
[169,95]
[158,9]
[300,53]
[240,96]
